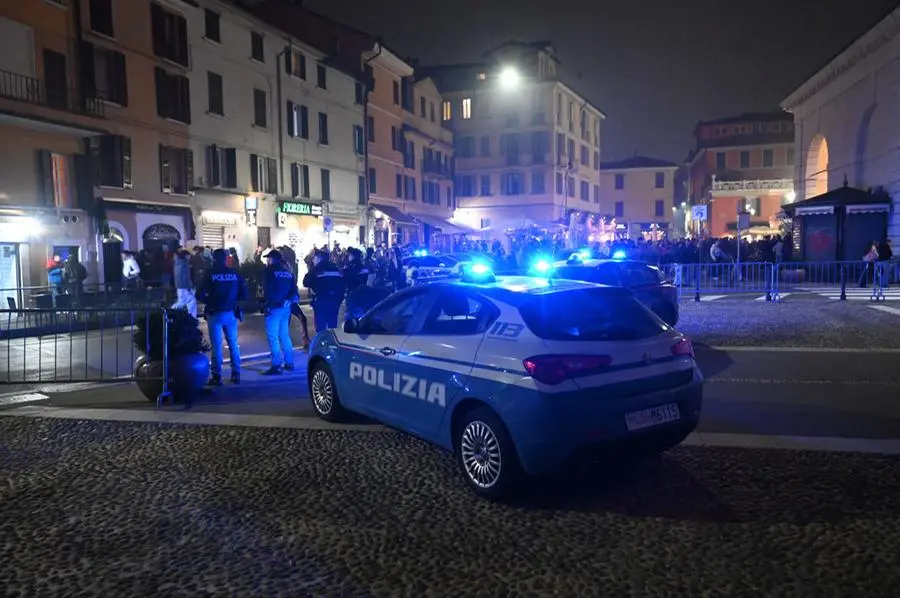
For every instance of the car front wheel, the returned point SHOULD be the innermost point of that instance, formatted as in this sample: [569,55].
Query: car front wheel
[323,393]
[487,455]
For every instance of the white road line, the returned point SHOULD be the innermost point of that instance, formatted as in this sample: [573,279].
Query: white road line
[886,309]
[789,382]
[771,297]
[743,349]
[28,397]
[883,446]
[711,297]
[189,417]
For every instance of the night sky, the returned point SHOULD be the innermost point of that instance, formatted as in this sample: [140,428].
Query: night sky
[655,67]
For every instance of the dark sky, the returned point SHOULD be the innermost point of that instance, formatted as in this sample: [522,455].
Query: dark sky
[655,67]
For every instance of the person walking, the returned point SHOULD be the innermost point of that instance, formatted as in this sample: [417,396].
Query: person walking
[221,293]
[326,285]
[184,284]
[280,292]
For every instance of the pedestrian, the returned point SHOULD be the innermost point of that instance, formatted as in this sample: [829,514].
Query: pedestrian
[221,293]
[184,284]
[280,292]
[326,285]
[131,271]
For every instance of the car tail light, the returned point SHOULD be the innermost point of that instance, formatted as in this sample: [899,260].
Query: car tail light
[683,347]
[553,369]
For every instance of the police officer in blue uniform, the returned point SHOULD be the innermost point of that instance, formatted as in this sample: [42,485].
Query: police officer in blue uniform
[221,291]
[326,284]
[280,293]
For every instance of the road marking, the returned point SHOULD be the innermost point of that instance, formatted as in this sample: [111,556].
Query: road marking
[746,349]
[883,446]
[15,399]
[711,297]
[309,422]
[772,297]
[786,381]
[886,309]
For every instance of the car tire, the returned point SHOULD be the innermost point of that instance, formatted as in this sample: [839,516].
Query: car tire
[487,455]
[323,394]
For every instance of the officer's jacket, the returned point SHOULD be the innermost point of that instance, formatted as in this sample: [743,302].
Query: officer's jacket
[326,283]
[280,287]
[222,288]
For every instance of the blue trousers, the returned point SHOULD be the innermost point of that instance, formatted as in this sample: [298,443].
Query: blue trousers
[326,315]
[278,332]
[224,323]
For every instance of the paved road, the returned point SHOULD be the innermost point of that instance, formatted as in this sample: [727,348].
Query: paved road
[126,509]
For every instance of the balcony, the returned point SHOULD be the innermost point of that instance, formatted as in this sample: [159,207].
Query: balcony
[435,168]
[751,187]
[29,90]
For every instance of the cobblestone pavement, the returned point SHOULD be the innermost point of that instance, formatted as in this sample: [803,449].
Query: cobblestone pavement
[819,324]
[114,509]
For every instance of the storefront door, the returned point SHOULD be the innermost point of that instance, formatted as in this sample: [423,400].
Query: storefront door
[161,236]
[10,276]
[212,236]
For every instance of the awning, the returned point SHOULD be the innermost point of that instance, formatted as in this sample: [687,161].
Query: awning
[869,208]
[813,210]
[446,227]
[393,213]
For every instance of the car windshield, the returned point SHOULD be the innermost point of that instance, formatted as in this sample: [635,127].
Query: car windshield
[638,275]
[425,261]
[592,314]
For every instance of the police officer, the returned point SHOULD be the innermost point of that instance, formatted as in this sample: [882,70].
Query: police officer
[280,293]
[220,292]
[326,284]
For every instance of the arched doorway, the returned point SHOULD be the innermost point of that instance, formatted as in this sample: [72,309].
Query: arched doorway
[161,236]
[817,167]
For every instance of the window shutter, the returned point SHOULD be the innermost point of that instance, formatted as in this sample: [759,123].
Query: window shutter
[158,25]
[165,182]
[295,180]
[272,176]
[84,186]
[188,170]
[229,179]
[125,155]
[288,60]
[304,122]
[304,180]
[182,50]
[162,97]
[45,178]
[291,120]
[88,74]
[184,89]
[92,149]
[213,175]
[254,172]
[121,79]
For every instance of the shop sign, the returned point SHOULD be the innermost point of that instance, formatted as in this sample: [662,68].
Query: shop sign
[251,217]
[300,208]
[220,218]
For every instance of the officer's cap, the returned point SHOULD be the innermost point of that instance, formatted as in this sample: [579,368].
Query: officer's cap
[274,255]
[219,255]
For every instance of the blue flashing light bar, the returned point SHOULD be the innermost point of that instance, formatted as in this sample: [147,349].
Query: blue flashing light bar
[619,255]
[480,269]
[542,266]
[584,254]
[420,252]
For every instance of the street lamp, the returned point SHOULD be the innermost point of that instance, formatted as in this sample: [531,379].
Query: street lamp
[509,77]
[790,196]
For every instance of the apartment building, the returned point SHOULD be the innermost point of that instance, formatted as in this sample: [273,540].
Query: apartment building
[742,163]
[277,135]
[638,194]
[527,144]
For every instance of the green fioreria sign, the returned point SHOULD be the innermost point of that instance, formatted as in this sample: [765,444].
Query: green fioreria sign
[300,208]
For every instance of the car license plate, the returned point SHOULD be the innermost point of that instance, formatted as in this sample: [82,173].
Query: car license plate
[647,418]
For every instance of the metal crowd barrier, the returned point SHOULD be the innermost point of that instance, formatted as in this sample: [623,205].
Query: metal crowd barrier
[772,281]
[46,346]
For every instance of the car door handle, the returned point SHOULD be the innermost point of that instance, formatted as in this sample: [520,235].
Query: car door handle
[387,351]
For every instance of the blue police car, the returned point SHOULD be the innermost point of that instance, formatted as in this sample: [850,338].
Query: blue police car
[516,375]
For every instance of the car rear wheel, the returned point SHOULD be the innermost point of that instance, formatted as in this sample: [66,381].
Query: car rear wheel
[487,455]
[323,394]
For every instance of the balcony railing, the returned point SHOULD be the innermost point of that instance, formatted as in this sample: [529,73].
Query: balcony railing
[33,91]
[752,185]
[436,168]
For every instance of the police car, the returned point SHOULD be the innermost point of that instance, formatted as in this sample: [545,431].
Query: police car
[516,375]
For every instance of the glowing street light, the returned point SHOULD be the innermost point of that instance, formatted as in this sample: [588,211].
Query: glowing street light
[790,196]
[509,77]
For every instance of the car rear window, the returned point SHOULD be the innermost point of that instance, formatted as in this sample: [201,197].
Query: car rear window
[596,314]
[638,275]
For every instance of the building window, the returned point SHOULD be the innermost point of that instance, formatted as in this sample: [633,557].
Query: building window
[263,174]
[295,64]
[396,93]
[363,194]
[745,159]
[559,184]
[538,182]
[423,107]
[359,93]
[321,76]
[659,208]
[176,170]
[300,180]
[485,185]
[169,32]
[323,128]
[431,110]
[173,96]
[259,108]
[105,75]
[720,160]
[410,187]
[326,184]
[570,150]
[257,47]
[620,182]
[585,191]
[215,94]
[585,156]
[399,183]
[447,110]
[212,30]
[752,205]
[373,180]
[297,120]
[660,180]
[620,209]
[102,17]
[221,167]
[359,140]
[511,183]
[597,161]
[111,157]
[485,149]
[789,156]
[597,194]
[768,158]
[570,186]
[466,112]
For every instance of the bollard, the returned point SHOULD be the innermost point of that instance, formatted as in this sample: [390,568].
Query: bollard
[697,284]
[165,394]
[843,283]
[769,284]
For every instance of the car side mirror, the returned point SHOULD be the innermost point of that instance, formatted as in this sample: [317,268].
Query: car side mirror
[351,326]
